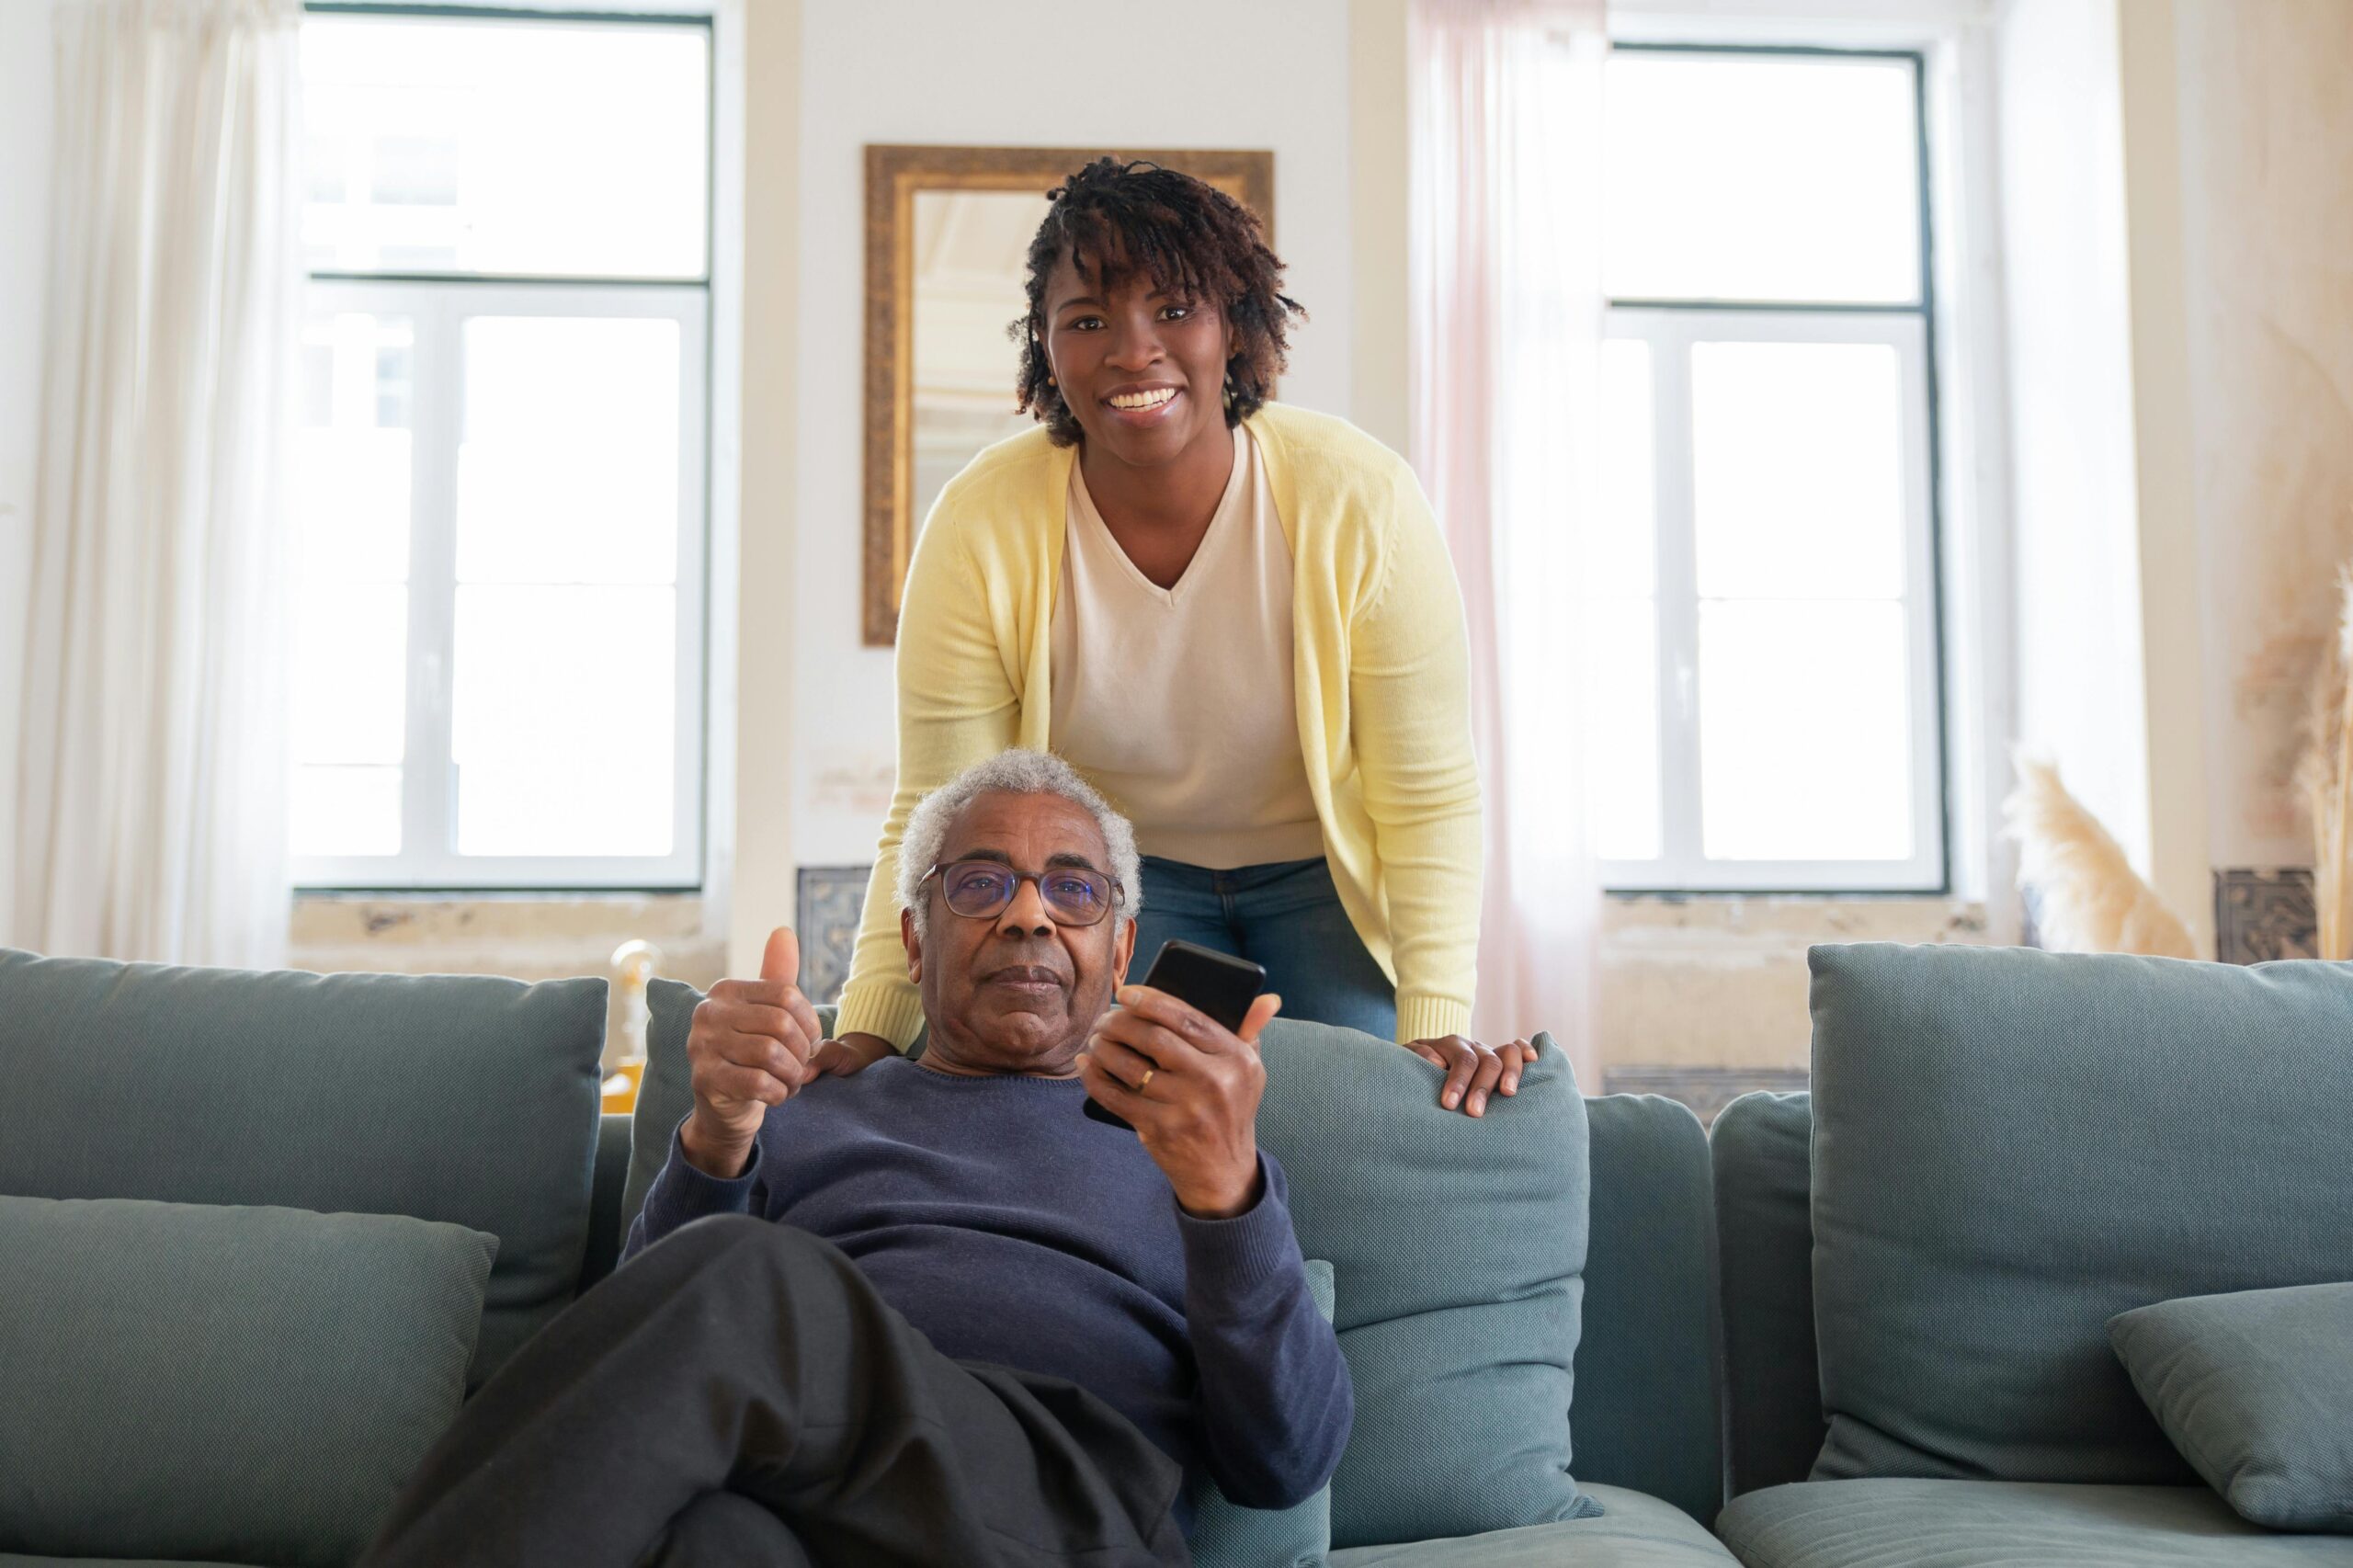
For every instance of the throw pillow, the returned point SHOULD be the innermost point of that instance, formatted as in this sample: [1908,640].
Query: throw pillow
[2010,1147]
[1227,1535]
[239,1385]
[2256,1389]
[1463,1243]
[463,1098]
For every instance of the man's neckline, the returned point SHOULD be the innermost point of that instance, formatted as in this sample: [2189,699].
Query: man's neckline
[936,1074]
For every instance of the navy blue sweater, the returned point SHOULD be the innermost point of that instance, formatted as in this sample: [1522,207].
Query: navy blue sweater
[1011,1228]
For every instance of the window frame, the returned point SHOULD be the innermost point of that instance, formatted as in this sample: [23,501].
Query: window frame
[1670,326]
[437,304]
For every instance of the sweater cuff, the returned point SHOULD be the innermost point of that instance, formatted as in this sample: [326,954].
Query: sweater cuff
[1430,1017]
[691,1192]
[1227,1259]
[891,1008]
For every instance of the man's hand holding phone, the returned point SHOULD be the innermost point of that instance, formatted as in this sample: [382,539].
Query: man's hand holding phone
[749,1047]
[1190,1088]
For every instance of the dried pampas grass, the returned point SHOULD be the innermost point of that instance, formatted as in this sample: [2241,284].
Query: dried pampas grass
[2088,899]
[2324,781]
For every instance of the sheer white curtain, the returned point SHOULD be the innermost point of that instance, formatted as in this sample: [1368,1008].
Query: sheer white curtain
[153,764]
[1507,321]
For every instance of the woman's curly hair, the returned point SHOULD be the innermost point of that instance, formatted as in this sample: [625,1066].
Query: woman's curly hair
[1192,239]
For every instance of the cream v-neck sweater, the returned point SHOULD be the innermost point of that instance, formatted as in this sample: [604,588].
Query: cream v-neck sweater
[1380,687]
[1176,702]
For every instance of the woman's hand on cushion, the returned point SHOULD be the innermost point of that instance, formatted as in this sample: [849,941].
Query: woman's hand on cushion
[1474,1071]
[850,1053]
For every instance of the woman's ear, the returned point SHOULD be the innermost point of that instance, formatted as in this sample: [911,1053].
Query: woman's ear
[914,945]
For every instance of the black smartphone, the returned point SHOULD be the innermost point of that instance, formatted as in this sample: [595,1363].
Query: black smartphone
[1219,984]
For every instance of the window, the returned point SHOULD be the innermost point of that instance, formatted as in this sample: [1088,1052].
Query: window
[499,505]
[1763,636]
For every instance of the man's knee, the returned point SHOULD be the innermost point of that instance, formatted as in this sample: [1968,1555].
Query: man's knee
[746,1242]
[725,1529]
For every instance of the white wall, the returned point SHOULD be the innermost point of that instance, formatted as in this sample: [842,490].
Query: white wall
[25,70]
[1018,73]
[2075,517]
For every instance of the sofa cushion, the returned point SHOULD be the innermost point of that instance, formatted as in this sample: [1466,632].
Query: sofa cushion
[1633,1531]
[2010,1147]
[1461,1247]
[455,1097]
[1462,1241]
[1760,1145]
[2256,1390]
[1648,1414]
[1227,1535]
[2006,1524]
[248,1384]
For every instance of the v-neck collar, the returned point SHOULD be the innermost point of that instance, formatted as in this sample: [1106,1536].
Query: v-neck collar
[1229,502]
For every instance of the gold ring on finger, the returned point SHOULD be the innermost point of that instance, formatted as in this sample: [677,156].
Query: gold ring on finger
[1145,1081]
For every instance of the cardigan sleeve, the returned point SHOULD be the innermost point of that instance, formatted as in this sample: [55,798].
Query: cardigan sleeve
[1409,683]
[956,707]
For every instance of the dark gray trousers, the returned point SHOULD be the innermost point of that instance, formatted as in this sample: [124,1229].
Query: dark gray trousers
[738,1393]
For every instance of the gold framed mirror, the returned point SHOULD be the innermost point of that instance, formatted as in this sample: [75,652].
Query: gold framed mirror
[948,232]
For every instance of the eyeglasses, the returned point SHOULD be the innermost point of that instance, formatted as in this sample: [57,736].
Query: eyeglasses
[983,890]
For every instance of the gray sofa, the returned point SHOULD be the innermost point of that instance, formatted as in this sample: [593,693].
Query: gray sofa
[1698,1374]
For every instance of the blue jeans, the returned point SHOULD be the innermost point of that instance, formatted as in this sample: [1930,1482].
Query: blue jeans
[1285,916]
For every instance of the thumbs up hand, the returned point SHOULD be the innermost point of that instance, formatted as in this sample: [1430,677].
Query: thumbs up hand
[750,1047]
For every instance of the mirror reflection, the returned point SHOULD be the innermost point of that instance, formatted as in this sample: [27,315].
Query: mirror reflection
[969,250]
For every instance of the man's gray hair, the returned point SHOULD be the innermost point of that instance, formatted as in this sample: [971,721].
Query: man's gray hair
[1017,772]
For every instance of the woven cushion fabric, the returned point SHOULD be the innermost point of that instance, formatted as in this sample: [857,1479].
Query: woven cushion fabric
[1462,1244]
[1648,1412]
[460,1099]
[1633,1530]
[2011,1147]
[1759,1146]
[2256,1390]
[2006,1524]
[1226,1535]
[251,1385]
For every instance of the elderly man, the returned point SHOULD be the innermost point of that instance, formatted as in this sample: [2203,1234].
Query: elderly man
[929,1314]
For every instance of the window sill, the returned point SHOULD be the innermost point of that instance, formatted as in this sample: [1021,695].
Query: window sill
[530,936]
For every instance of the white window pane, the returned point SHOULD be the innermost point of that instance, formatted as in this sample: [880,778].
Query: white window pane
[1621,654]
[351,456]
[350,674]
[563,149]
[1760,178]
[1621,549]
[1798,470]
[1804,732]
[346,810]
[562,717]
[568,471]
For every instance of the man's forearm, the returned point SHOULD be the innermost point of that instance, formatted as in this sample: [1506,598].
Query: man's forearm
[685,1191]
[1274,1397]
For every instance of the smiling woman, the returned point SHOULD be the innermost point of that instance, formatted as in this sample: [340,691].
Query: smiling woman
[1235,619]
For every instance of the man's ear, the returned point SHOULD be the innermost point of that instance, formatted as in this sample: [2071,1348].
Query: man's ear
[1123,951]
[914,945]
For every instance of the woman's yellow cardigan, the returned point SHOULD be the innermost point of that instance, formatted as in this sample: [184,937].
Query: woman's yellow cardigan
[1380,673]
